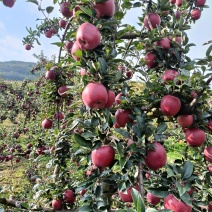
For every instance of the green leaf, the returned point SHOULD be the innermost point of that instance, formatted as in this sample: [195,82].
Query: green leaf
[59,44]
[33,1]
[123,132]
[98,191]
[122,162]
[208,52]
[25,205]
[81,141]
[187,170]
[159,192]
[86,11]
[186,198]
[181,189]
[49,9]
[86,208]
[161,128]
[138,201]
[103,65]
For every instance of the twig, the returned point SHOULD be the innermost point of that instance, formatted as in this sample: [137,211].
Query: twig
[141,180]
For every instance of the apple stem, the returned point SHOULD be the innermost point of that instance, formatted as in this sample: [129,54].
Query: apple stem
[140,176]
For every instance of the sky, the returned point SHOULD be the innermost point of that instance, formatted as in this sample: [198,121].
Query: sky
[13,22]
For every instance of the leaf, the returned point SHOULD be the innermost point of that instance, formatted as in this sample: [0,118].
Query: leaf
[49,9]
[159,192]
[187,170]
[98,191]
[123,133]
[33,1]
[161,128]
[208,52]
[81,141]
[138,201]
[103,65]
[186,198]
[86,208]
[181,189]
[25,205]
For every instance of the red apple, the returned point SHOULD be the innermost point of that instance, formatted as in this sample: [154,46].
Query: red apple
[177,14]
[210,125]
[95,95]
[169,75]
[48,33]
[122,117]
[47,124]
[69,196]
[154,20]
[195,14]
[57,204]
[172,1]
[195,137]
[88,36]
[126,196]
[129,74]
[172,203]
[62,23]
[179,3]
[68,46]
[103,156]
[111,99]
[117,98]
[75,48]
[77,8]
[164,43]
[62,90]
[50,75]
[27,46]
[154,200]
[208,153]
[147,175]
[59,115]
[83,72]
[150,60]
[105,9]
[200,3]
[156,159]
[170,105]
[65,9]
[116,125]
[82,192]
[54,30]
[210,207]
[210,168]
[9,3]
[185,120]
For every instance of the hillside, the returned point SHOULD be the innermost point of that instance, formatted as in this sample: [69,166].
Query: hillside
[16,70]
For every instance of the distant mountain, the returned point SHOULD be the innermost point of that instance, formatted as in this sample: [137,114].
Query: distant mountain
[16,70]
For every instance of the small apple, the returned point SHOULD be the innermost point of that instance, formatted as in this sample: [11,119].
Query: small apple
[151,198]
[59,115]
[126,196]
[111,99]
[169,75]
[117,98]
[179,3]
[9,3]
[62,90]
[83,72]
[57,204]
[150,60]
[170,105]
[195,137]
[88,36]
[65,9]
[154,20]
[95,95]
[68,46]
[50,75]
[105,9]
[147,175]
[164,43]
[195,14]
[47,124]
[172,1]
[103,156]
[27,46]
[122,117]
[48,33]
[69,196]
[177,14]
[156,159]
[210,125]
[208,153]
[210,207]
[129,74]
[185,120]
[200,3]
[82,193]
[62,23]
[75,48]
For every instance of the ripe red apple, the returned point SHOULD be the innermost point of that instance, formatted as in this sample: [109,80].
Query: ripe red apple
[210,124]
[105,9]
[68,46]
[9,3]
[59,115]
[27,46]
[210,207]
[195,137]
[169,75]
[154,200]
[65,9]
[74,49]
[126,195]
[54,30]
[50,75]
[172,1]
[83,72]
[129,74]
[48,33]
[200,3]
[47,124]
[111,99]
[88,36]
[195,14]
[62,23]
[172,203]
[177,14]
[170,105]
[117,98]
[208,153]
[154,20]
[69,196]
[150,60]
[164,43]
[179,3]
[156,159]
[185,120]
[95,95]
[122,117]
[82,192]
[57,204]
[116,125]
[103,156]
[62,90]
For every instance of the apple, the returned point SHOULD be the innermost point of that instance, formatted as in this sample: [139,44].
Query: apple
[122,117]
[105,9]
[48,33]
[172,203]
[111,99]
[165,13]
[210,124]
[177,14]
[126,196]
[195,14]
[75,48]
[154,200]
[9,3]
[62,23]
[47,124]
[156,159]
[82,193]
[59,115]
[83,72]
[54,30]
[50,75]
[210,207]
[62,90]
[65,9]
[29,146]
[147,175]
[179,3]
[185,120]
[88,36]
[154,19]
[17,160]
[170,105]
[172,1]
[150,60]
[117,98]
[169,75]
[27,46]
[129,74]
[200,3]
[195,137]
[57,204]
[103,156]
[76,8]
[164,43]
[95,95]
[210,168]
[116,125]
[69,196]
[208,153]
